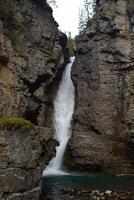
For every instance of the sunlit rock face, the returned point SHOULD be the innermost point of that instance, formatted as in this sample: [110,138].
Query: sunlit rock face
[32,56]
[103,74]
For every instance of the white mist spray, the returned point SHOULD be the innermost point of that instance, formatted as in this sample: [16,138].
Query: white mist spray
[63,111]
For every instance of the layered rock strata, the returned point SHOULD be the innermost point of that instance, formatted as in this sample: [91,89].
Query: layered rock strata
[33,54]
[23,155]
[103,74]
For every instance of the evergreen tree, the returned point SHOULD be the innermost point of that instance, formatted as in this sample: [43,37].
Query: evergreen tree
[86,13]
[70,44]
[82,21]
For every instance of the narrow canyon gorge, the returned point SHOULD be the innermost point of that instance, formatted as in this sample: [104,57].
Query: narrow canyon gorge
[33,56]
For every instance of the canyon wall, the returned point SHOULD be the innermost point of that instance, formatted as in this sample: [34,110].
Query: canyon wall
[32,56]
[103,74]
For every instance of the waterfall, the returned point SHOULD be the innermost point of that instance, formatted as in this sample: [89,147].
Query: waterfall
[63,111]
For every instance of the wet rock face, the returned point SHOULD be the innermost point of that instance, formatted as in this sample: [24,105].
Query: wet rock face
[103,74]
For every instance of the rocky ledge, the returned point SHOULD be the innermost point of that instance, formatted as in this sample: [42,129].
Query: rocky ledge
[98,194]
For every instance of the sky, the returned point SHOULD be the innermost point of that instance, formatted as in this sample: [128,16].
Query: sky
[67,15]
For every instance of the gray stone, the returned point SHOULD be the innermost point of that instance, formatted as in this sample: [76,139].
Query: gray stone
[104,80]
[23,156]
[29,64]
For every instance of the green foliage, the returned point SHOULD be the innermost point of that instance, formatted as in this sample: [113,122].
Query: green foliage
[46,51]
[113,11]
[11,21]
[16,24]
[49,54]
[15,123]
[95,15]
[70,44]
[15,27]
[21,53]
[86,13]
[82,21]
[6,9]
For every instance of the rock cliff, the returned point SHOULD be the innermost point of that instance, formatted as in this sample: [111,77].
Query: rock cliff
[23,155]
[103,74]
[32,56]
[31,50]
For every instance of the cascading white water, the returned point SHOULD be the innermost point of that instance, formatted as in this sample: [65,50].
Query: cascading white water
[63,111]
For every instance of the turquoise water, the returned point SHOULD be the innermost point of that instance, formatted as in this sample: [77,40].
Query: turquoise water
[90,180]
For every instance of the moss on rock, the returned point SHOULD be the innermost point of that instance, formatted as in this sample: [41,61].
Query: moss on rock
[49,54]
[15,123]
[21,53]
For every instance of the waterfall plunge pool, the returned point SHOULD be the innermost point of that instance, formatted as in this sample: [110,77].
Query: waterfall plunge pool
[54,187]
[55,180]
[89,180]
